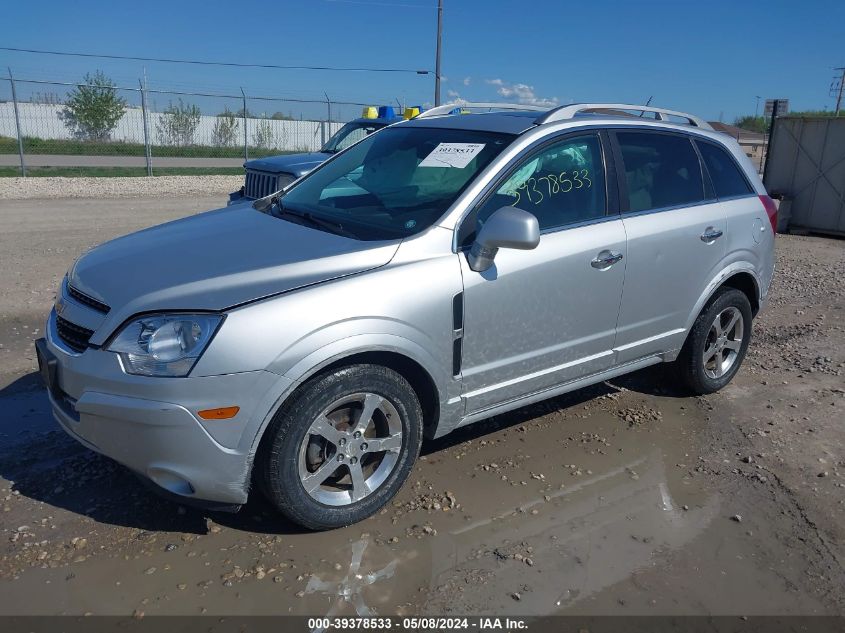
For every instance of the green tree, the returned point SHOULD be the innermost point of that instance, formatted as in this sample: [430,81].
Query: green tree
[281,116]
[752,123]
[93,108]
[264,134]
[240,114]
[820,113]
[761,123]
[225,129]
[178,124]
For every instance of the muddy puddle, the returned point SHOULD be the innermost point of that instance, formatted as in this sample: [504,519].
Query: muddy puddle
[599,502]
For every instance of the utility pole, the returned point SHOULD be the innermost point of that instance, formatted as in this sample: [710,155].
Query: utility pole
[17,123]
[437,60]
[757,107]
[147,152]
[775,108]
[839,92]
[246,145]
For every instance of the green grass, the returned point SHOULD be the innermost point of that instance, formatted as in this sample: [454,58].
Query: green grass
[111,172]
[118,148]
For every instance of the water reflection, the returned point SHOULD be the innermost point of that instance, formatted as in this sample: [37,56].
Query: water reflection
[555,549]
[349,589]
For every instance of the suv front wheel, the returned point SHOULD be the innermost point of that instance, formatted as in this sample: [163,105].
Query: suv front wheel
[717,342]
[342,447]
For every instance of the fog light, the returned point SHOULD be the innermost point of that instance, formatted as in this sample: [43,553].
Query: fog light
[171,481]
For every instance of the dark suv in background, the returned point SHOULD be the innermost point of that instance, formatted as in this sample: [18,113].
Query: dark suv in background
[266,175]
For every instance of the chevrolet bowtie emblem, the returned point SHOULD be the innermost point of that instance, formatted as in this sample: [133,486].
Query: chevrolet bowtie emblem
[60,306]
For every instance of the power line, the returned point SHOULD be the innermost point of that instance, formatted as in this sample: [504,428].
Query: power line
[209,63]
[216,95]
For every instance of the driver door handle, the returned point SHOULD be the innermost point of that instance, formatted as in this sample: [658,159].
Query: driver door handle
[605,260]
[711,234]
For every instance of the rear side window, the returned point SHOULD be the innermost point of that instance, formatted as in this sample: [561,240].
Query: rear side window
[661,170]
[727,178]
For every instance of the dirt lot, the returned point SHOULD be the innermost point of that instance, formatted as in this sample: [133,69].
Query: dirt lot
[625,498]
[61,188]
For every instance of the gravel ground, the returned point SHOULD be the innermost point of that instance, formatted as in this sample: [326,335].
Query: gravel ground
[160,186]
[626,498]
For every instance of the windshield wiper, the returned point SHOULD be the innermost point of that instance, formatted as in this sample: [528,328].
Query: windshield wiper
[332,226]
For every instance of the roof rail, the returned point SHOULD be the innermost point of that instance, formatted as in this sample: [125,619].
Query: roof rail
[447,108]
[569,111]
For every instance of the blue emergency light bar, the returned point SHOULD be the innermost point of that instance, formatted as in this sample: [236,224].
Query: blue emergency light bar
[386,112]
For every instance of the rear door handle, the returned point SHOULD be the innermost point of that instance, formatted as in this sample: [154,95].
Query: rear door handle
[711,234]
[605,260]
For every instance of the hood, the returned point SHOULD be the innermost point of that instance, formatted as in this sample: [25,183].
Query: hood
[216,260]
[296,164]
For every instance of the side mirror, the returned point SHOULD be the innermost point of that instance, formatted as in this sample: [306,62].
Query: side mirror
[509,227]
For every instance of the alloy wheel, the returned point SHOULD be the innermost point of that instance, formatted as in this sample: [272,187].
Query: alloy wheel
[723,344]
[350,449]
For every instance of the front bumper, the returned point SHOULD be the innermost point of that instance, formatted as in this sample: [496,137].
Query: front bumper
[236,197]
[151,425]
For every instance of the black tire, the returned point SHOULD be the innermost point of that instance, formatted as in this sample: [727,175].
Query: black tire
[278,457]
[689,366]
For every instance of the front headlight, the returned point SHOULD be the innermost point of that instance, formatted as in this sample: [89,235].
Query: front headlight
[284,180]
[164,344]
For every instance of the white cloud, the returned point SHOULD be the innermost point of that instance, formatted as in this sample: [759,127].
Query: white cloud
[523,93]
[455,97]
[467,80]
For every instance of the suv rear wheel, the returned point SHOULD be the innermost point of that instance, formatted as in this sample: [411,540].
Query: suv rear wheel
[342,447]
[717,342]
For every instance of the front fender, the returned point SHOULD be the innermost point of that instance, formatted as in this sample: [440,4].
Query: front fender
[337,350]
[310,365]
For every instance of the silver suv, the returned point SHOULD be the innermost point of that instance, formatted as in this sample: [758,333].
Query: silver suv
[438,272]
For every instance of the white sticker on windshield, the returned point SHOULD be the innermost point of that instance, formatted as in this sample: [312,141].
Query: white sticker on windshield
[452,155]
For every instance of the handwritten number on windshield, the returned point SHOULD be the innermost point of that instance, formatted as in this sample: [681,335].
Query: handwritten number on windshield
[552,184]
[555,184]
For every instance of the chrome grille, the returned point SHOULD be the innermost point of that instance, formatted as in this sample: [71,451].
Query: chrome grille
[75,336]
[84,299]
[259,184]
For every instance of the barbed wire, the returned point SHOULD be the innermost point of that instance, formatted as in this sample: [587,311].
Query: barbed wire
[217,95]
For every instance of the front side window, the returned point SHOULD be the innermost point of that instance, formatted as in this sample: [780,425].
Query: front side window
[727,179]
[563,183]
[661,170]
[397,182]
[348,135]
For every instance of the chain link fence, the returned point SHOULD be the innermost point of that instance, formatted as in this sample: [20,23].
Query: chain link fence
[65,128]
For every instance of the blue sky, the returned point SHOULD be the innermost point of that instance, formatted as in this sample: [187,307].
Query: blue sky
[710,58]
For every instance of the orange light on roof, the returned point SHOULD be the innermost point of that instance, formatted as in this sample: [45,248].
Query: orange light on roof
[410,113]
[223,413]
[369,112]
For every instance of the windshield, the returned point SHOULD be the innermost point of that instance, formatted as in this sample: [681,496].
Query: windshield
[348,135]
[395,183]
